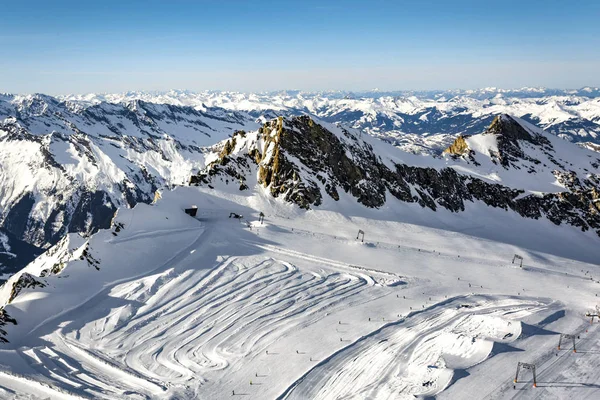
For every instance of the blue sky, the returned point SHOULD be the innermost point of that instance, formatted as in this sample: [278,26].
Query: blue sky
[60,47]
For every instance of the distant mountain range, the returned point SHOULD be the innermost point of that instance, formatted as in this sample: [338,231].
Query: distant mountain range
[416,121]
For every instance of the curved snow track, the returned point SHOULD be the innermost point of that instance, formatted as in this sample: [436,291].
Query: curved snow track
[416,356]
[138,338]
[224,309]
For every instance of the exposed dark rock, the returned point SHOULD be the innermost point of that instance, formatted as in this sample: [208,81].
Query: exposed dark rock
[509,133]
[93,211]
[4,320]
[25,281]
[300,159]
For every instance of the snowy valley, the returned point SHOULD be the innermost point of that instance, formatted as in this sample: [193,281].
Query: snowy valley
[322,263]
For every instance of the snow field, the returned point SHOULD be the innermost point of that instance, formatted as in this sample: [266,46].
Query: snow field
[297,306]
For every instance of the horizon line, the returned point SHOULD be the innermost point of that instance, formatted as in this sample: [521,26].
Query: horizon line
[300,91]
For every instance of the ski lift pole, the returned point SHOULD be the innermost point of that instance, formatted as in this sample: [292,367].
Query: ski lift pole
[361,232]
[530,367]
[518,257]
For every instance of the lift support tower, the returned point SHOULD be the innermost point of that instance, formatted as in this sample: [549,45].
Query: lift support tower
[361,232]
[518,257]
[567,337]
[530,367]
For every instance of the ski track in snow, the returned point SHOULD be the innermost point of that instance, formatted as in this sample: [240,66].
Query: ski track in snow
[371,275]
[415,356]
[231,304]
[175,326]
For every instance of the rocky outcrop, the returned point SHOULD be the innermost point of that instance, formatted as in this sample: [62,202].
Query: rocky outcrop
[591,146]
[459,148]
[25,281]
[509,133]
[4,320]
[274,169]
[510,130]
[301,161]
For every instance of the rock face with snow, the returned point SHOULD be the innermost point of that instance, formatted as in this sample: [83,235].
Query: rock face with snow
[70,248]
[303,162]
[66,166]
[25,281]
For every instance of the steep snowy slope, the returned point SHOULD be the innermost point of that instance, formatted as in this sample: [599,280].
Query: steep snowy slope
[296,307]
[66,167]
[511,146]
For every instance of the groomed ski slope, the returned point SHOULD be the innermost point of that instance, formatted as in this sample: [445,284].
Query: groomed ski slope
[298,308]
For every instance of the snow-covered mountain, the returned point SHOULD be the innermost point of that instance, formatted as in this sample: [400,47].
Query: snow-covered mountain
[512,165]
[324,263]
[423,122]
[66,166]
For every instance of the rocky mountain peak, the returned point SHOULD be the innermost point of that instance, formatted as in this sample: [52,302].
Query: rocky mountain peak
[504,125]
[506,142]
[314,164]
